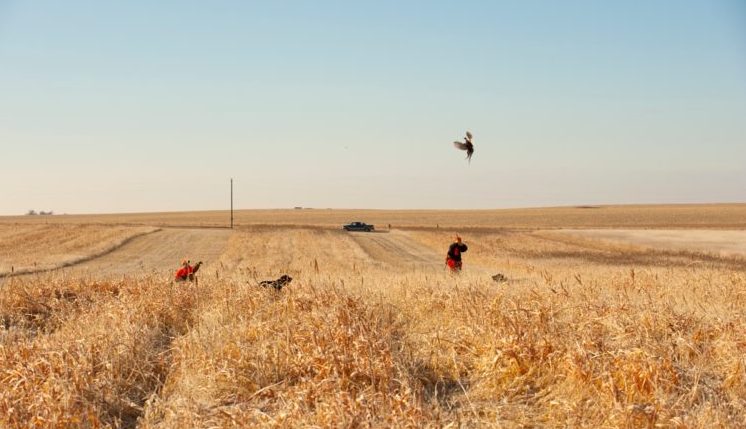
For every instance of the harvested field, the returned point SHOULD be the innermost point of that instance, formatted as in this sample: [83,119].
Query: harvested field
[686,216]
[721,242]
[373,332]
[42,246]
[158,254]
[396,249]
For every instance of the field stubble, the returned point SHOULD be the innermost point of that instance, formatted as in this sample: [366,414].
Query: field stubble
[39,247]
[712,216]
[581,336]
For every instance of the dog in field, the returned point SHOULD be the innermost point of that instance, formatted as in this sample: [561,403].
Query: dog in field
[499,278]
[277,284]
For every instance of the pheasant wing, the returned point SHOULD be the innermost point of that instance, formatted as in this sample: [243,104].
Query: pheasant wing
[462,146]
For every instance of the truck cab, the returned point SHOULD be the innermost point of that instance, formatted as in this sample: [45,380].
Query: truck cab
[358,226]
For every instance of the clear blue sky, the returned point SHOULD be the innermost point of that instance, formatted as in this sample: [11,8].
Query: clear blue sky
[149,106]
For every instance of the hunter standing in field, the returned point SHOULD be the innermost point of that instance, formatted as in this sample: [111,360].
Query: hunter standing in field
[453,258]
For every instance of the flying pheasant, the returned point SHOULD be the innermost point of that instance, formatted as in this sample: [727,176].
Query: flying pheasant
[468,146]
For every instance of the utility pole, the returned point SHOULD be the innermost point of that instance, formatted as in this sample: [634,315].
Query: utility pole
[231,203]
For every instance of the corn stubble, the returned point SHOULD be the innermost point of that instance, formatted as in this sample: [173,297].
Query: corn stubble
[573,340]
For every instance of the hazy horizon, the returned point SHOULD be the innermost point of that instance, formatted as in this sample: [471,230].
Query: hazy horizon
[139,107]
[375,209]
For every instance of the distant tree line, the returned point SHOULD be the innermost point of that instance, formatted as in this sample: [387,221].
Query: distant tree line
[40,213]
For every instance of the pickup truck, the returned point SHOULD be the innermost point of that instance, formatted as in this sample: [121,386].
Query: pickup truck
[358,226]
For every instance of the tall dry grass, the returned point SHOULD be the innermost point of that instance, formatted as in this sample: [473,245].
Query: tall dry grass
[579,337]
[87,355]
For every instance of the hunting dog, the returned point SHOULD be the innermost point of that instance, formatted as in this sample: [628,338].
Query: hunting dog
[277,284]
[499,278]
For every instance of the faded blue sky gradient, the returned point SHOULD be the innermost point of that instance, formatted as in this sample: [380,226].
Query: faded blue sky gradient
[138,106]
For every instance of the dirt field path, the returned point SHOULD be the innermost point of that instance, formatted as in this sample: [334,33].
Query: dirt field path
[158,253]
[396,248]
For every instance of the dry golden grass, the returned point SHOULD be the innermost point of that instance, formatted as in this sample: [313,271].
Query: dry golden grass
[42,246]
[584,334]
